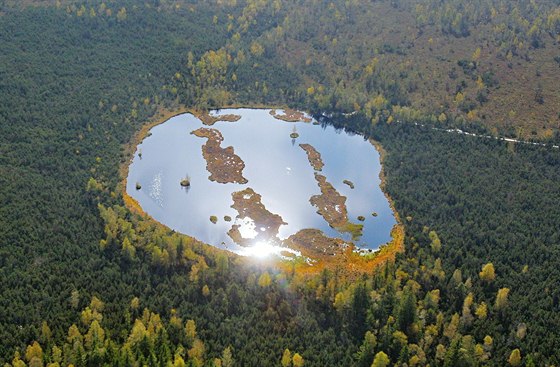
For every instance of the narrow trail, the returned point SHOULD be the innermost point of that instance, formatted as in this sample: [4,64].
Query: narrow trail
[459,131]
[500,138]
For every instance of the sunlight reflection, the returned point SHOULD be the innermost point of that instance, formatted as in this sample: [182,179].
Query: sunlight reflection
[247,227]
[263,249]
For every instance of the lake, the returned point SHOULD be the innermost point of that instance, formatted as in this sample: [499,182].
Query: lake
[276,167]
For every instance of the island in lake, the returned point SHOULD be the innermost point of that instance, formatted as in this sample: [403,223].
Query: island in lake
[222,163]
[248,204]
[263,194]
[330,204]
[290,116]
[209,120]
[314,156]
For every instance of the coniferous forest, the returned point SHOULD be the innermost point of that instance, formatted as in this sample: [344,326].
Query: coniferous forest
[86,281]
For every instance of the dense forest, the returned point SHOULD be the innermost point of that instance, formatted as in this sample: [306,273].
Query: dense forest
[86,282]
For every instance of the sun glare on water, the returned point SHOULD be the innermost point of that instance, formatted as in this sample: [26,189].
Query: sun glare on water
[263,249]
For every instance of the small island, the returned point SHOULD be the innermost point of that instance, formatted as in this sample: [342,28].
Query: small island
[138,186]
[290,116]
[294,134]
[248,204]
[222,163]
[186,182]
[313,156]
[213,219]
[209,120]
[330,204]
[315,242]
[349,183]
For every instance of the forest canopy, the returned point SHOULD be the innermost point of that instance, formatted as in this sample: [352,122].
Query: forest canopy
[88,282]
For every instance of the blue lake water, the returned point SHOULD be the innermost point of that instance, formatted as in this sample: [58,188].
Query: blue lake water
[276,167]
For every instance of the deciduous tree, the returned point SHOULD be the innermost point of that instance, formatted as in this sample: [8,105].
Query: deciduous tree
[381,360]
[515,358]
[488,273]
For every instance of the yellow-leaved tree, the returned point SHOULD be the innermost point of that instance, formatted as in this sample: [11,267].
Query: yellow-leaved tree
[286,360]
[502,298]
[264,280]
[488,274]
[297,360]
[381,360]
[515,358]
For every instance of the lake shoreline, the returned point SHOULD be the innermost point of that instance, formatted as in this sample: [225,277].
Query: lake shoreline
[399,227]
[384,253]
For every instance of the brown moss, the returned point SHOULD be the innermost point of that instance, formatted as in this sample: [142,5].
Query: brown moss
[236,236]
[222,163]
[210,120]
[330,204]
[338,255]
[313,156]
[248,204]
[314,244]
[290,116]
[355,230]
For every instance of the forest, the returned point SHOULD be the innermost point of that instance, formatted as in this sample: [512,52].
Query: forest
[85,281]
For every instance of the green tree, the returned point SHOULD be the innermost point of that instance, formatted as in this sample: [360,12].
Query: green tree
[406,314]
[366,352]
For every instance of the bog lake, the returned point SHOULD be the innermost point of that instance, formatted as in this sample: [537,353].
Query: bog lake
[276,167]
